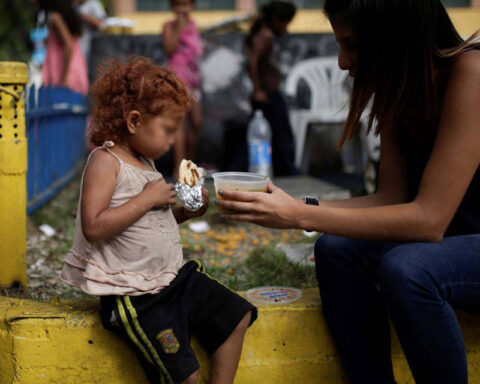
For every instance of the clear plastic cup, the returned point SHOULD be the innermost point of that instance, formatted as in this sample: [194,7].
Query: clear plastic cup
[239,181]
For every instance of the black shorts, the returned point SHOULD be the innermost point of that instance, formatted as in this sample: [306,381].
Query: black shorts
[159,326]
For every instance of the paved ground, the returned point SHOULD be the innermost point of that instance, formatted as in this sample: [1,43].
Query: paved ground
[299,186]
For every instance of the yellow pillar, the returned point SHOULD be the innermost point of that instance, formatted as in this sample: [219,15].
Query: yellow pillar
[13,171]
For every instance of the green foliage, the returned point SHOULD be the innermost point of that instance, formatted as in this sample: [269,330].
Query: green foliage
[17,17]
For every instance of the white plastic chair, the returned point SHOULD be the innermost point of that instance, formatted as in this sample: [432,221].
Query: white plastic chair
[329,98]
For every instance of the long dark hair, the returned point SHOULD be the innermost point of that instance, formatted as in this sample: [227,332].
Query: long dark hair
[67,11]
[400,45]
[284,10]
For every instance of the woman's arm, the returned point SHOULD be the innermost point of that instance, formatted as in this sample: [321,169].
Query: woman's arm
[66,38]
[99,222]
[454,160]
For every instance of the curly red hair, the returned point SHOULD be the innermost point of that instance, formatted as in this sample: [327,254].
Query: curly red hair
[137,84]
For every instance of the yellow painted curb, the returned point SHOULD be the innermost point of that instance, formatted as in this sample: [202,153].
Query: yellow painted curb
[63,342]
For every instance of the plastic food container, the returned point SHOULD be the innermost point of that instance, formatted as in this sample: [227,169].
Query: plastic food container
[239,181]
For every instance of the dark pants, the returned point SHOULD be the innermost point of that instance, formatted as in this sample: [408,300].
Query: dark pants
[363,283]
[283,147]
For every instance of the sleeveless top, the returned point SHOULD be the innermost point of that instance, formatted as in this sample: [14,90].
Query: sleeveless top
[416,148]
[144,258]
[185,61]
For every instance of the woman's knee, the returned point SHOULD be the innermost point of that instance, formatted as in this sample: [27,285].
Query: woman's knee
[193,378]
[405,268]
[332,248]
[333,256]
[328,244]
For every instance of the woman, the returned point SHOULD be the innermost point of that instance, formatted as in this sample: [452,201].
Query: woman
[65,63]
[411,251]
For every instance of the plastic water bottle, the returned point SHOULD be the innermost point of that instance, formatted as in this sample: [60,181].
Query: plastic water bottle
[259,136]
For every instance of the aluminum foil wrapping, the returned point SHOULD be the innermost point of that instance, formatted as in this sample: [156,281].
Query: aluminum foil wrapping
[191,197]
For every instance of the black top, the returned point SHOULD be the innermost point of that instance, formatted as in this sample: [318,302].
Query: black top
[416,147]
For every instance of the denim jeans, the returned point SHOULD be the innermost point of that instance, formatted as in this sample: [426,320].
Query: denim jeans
[363,284]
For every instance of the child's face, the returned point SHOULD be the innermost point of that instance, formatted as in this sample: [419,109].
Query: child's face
[156,134]
[182,7]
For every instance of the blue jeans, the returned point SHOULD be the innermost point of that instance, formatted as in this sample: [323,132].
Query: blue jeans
[363,284]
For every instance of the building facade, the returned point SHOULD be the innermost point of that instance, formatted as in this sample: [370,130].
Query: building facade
[129,6]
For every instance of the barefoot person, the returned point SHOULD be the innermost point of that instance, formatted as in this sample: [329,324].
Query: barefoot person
[411,251]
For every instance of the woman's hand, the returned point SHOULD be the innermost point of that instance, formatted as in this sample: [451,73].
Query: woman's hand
[274,209]
[201,211]
[158,193]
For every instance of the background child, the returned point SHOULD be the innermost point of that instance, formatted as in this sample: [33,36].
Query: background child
[64,63]
[266,78]
[183,45]
[127,247]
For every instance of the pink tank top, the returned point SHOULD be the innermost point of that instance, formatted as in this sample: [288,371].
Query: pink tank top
[52,68]
[185,61]
[144,258]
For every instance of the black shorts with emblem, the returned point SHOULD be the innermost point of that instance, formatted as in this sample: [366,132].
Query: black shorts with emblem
[159,326]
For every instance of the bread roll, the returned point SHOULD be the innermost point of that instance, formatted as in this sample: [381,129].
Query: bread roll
[188,173]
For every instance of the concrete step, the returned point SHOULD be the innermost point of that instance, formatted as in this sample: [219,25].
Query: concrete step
[63,342]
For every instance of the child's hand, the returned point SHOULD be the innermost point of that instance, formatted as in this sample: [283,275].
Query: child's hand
[182,21]
[159,193]
[201,211]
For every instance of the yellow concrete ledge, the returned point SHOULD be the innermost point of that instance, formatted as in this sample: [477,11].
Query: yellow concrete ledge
[63,342]
[466,20]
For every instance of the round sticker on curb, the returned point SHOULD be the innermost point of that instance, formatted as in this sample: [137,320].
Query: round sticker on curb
[274,295]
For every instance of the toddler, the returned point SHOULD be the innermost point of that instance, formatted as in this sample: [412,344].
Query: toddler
[127,248]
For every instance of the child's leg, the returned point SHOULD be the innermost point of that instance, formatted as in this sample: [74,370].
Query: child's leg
[193,378]
[226,357]
[196,118]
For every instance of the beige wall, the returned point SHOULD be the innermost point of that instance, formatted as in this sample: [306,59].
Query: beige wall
[129,6]
[245,5]
[122,6]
